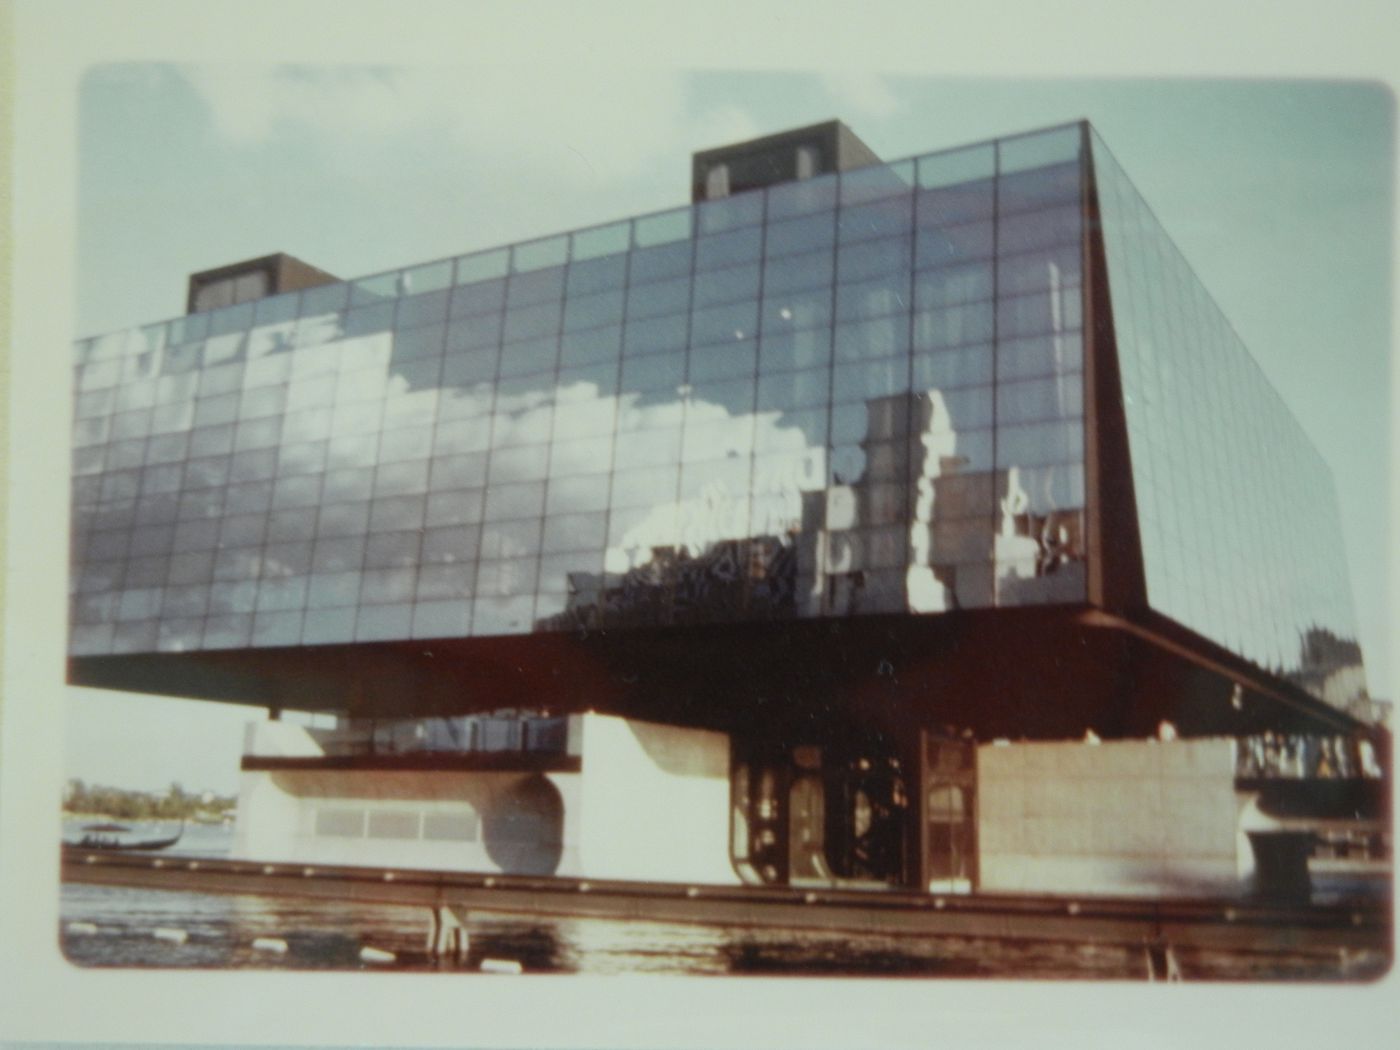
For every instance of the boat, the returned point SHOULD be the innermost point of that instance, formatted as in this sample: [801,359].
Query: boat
[100,836]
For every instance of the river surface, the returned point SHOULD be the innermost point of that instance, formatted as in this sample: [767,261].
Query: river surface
[104,926]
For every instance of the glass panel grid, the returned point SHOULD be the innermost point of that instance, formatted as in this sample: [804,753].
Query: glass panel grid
[625,424]
[1219,463]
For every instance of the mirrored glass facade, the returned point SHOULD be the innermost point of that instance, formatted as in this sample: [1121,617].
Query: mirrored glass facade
[857,393]
[1241,540]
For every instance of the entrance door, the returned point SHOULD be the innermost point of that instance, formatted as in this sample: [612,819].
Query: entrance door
[818,814]
[867,821]
[950,782]
[759,833]
[807,830]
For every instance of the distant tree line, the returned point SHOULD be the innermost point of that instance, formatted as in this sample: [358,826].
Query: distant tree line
[123,804]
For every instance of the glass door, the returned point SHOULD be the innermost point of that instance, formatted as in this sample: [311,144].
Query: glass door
[950,783]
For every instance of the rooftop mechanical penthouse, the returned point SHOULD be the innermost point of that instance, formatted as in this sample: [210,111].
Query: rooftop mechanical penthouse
[854,465]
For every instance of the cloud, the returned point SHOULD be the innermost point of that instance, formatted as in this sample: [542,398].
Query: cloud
[587,123]
[249,105]
[862,94]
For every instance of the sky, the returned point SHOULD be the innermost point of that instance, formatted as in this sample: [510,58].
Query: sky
[1279,193]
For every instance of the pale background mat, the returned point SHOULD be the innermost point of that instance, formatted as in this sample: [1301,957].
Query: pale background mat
[43,998]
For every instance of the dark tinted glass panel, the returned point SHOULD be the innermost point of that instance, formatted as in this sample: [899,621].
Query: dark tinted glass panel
[1039,188]
[661,262]
[723,361]
[715,324]
[1038,229]
[653,372]
[954,204]
[597,344]
[730,213]
[728,249]
[535,287]
[662,297]
[596,274]
[802,349]
[722,286]
[529,322]
[885,218]
[951,285]
[809,270]
[656,335]
[790,311]
[478,298]
[953,244]
[1044,269]
[802,197]
[872,258]
[529,357]
[593,310]
[804,234]
[428,308]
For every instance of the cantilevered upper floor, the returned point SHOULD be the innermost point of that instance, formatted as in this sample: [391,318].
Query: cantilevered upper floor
[973,380]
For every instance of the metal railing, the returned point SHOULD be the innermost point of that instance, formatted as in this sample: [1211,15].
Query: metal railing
[1279,756]
[462,735]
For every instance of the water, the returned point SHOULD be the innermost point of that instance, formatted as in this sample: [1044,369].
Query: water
[196,840]
[327,935]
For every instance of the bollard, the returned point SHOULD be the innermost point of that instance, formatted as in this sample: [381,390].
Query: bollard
[1173,968]
[1161,962]
[501,966]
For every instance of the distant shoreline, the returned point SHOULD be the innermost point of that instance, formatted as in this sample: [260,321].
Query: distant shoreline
[123,804]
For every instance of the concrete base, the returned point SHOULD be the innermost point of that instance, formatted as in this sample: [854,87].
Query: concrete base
[1133,817]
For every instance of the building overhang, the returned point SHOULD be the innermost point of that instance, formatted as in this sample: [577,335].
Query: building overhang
[1049,672]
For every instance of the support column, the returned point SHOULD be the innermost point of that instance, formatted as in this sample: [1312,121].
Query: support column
[916,783]
[447,935]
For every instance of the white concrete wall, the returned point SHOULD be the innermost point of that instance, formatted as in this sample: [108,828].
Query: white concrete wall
[655,802]
[278,815]
[267,815]
[267,822]
[1133,817]
[268,739]
[651,802]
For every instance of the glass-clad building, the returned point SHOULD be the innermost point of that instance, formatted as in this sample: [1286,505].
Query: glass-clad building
[863,393]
